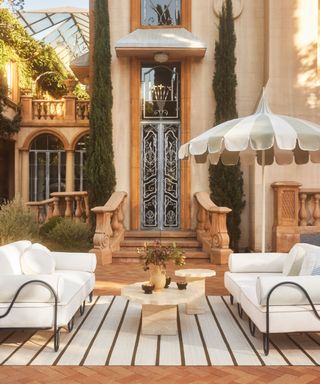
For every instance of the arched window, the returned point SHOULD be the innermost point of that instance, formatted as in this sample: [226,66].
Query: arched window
[47,166]
[80,180]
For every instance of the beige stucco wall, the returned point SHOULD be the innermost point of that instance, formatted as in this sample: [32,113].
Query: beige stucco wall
[249,27]
[293,89]
[119,12]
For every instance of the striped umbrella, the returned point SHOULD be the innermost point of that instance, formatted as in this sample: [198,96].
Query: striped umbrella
[263,135]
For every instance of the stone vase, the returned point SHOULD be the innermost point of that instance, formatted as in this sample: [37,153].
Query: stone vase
[157,277]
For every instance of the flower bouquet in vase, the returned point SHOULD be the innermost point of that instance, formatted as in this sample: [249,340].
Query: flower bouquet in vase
[154,257]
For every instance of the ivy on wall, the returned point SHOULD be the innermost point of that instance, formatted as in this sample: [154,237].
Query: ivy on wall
[34,58]
[8,126]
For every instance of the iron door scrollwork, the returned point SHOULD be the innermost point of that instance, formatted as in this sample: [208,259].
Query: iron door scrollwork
[160,176]
[150,176]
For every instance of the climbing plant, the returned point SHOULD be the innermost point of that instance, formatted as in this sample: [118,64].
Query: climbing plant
[12,4]
[8,126]
[226,182]
[34,58]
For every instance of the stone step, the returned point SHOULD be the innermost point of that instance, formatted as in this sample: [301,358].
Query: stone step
[130,256]
[159,234]
[180,242]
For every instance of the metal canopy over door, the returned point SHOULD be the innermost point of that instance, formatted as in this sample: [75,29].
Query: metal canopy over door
[160,141]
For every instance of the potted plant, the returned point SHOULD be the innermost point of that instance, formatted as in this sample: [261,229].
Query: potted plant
[154,257]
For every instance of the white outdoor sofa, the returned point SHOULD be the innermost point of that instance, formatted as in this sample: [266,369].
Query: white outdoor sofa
[279,292]
[43,289]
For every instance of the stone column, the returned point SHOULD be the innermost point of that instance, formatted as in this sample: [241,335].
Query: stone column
[25,175]
[69,170]
[285,230]
[70,108]
[26,105]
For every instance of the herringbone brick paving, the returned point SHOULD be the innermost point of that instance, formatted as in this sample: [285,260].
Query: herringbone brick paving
[110,279]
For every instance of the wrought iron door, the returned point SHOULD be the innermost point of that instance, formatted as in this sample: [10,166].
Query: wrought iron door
[160,175]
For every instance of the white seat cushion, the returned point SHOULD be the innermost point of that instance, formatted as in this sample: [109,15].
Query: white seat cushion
[36,260]
[10,257]
[288,294]
[235,281]
[77,286]
[283,318]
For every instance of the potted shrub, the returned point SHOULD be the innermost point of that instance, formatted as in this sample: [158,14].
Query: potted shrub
[154,257]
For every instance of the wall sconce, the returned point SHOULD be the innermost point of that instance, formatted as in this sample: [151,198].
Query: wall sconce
[161,57]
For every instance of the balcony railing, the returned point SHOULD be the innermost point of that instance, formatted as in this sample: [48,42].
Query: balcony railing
[67,110]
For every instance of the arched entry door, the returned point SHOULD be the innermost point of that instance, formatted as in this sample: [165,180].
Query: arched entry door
[160,140]
[47,167]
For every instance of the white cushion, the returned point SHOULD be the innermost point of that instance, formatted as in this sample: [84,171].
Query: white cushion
[36,260]
[40,246]
[293,262]
[285,318]
[257,262]
[288,294]
[309,262]
[75,261]
[235,282]
[31,293]
[10,257]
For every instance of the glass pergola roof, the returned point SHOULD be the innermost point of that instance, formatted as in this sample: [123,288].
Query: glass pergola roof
[65,29]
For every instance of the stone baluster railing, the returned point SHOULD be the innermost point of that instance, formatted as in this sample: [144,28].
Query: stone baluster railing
[110,227]
[309,207]
[48,109]
[69,109]
[68,204]
[296,212]
[44,209]
[212,228]
[73,205]
[82,109]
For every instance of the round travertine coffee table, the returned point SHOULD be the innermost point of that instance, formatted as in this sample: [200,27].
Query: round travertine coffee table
[159,309]
[196,278]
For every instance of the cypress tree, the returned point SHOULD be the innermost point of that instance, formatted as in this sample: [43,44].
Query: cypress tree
[226,182]
[100,160]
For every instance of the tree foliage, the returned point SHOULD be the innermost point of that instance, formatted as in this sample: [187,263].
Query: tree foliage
[35,58]
[8,126]
[100,162]
[13,4]
[226,182]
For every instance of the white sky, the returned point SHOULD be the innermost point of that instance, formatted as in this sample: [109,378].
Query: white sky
[42,4]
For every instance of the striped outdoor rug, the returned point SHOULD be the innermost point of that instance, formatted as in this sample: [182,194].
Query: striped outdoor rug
[109,334]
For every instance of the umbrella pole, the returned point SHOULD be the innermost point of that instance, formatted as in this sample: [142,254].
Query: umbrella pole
[263,216]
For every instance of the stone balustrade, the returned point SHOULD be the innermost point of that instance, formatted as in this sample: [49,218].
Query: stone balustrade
[296,212]
[309,207]
[212,228]
[110,227]
[67,204]
[68,109]
[47,110]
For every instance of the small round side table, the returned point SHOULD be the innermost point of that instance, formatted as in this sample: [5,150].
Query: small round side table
[196,278]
